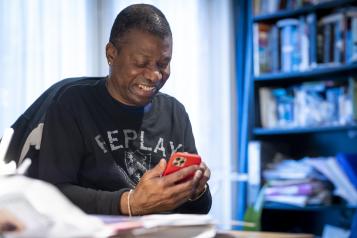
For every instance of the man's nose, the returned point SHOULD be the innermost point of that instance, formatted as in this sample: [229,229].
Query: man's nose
[153,74]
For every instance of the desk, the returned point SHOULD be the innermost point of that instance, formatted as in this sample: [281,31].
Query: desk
[255,234]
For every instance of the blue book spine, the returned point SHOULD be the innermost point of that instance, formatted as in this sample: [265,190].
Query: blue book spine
[274,33]
[295,53]
[327,44]
[348,163]
[286,49]
[348,45]
[354,39]
[338,42]
[312,35]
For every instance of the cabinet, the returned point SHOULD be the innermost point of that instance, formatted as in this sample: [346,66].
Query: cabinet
[304,98]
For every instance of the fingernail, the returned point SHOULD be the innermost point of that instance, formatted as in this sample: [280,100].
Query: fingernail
[198,174]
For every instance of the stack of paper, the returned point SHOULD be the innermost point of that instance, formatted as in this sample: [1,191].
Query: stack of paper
[331,168]
[297,183]
[173,225]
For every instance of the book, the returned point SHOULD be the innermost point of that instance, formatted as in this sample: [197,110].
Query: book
[351,35]
[348,163]
[288,169]
[304,43]
[254,160]
[348,42]
[288,182]
[338,46]
[333,33]
[261,32]
[352,88]
[284,99]
[256,49]
[325,39]
[267,106]
[300,200]
[333,171]
[312,32]
[323,197]
[289,51]
[354,39]
[274,44]
[308,188]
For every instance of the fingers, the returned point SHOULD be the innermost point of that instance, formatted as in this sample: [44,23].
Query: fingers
[157,170]
[181,174]
[206,170]
[192,187]
[183,192]
[156,193]
[200,185]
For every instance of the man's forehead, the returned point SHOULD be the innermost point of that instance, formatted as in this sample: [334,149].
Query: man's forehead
[146,47]
[144,32]
[165,56]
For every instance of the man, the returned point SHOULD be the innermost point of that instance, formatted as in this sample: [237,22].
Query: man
[104,142]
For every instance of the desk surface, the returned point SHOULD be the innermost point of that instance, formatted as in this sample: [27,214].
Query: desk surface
[251,234]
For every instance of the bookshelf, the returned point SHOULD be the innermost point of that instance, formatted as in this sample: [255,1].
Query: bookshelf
[261,132]
[304,101]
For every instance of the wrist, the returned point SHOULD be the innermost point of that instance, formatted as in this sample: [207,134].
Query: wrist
[129,203]
[123,203]
[134,207]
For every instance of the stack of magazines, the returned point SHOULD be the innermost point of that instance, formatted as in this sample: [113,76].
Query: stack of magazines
[297,183]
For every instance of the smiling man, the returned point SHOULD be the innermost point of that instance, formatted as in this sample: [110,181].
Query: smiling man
[104,142]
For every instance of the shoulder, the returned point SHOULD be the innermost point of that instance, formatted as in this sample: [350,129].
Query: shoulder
[167,101]
[68,92]
[72,86]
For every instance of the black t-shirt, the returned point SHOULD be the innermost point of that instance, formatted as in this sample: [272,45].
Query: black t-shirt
[95,148]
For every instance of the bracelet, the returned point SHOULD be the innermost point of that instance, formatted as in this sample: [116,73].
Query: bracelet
[129,209]
[199,196]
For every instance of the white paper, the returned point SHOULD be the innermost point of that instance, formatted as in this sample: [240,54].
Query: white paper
[44,210]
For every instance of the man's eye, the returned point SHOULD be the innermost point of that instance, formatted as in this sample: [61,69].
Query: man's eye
[141,65]
[163,65]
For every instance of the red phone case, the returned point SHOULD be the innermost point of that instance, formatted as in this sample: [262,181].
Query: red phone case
[181,160]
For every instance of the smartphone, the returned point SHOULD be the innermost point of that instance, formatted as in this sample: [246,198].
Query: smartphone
[179,160]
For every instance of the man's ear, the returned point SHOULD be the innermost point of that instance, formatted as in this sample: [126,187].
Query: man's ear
[110,52]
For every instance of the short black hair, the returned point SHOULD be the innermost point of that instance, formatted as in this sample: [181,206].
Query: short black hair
[143,17]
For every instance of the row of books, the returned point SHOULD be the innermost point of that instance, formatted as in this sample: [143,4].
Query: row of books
[309,104]
[312,181]
[271,6]
[337,37]
[300,44]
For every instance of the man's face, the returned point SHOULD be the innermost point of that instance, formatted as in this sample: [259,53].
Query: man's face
[139,68]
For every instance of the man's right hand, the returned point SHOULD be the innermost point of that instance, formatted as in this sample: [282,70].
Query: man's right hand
[155,194]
